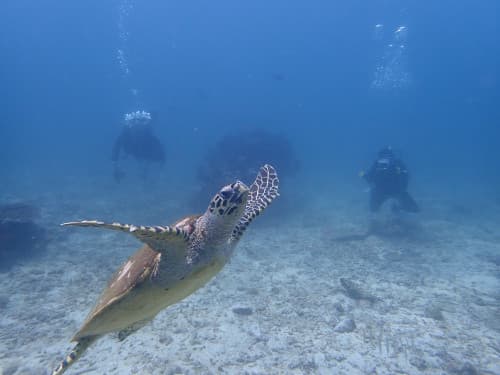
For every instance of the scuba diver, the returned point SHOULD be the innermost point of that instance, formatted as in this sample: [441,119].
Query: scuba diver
[136,140]
[388,178]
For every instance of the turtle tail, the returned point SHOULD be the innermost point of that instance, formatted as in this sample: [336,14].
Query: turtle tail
[77,351]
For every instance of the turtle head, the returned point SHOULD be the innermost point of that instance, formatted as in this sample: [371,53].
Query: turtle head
[230,201]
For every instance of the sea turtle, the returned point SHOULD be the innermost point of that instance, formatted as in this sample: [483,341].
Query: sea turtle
[174,262]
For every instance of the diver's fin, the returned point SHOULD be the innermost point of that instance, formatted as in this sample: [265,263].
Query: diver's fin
[262,192]
[76,353]
[158,237]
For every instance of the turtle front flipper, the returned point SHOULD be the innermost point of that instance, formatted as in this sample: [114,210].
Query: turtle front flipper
[262,192]
[157,237]
[76,353]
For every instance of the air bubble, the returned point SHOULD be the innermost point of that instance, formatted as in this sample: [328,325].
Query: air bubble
[400,34]
[124,10]
[378,31]
[392,69]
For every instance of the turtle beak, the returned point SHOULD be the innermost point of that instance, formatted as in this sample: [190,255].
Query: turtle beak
[241,192]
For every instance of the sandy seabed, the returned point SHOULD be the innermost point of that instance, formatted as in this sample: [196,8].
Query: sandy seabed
[422,297]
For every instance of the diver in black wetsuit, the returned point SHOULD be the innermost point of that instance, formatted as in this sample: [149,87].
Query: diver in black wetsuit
[136,140]
[388,178]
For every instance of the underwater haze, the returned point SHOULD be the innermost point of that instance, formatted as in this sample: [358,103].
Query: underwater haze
[380,256]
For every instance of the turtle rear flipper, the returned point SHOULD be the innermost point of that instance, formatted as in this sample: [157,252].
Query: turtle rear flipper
[80,347]
[159,238]
[262,192]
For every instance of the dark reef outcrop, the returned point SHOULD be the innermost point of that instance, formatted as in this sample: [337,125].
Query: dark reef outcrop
[20,236]
[239,155]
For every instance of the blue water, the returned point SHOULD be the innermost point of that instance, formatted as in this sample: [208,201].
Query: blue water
[210,66]
[337,79]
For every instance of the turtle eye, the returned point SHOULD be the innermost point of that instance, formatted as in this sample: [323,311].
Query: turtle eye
[226,192]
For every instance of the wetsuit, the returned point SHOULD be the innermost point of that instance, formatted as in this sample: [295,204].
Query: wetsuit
[137,141]
[388,178]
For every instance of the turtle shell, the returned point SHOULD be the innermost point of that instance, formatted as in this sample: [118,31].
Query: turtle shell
[129,276]
[130,296]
